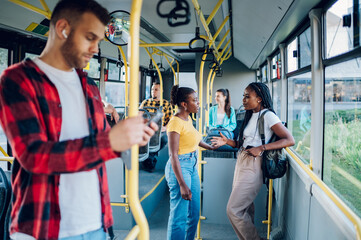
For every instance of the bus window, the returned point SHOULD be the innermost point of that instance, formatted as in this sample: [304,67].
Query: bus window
[299,113]
[339,38]
[31,55]
[305,48]
[4,53]
[94,69]
[276,96]
[342,145]
[292,56]
[113,72]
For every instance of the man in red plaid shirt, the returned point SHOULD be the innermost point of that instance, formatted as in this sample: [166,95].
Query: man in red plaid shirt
[53,117]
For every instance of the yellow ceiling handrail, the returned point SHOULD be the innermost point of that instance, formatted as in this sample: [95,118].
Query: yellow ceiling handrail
[32,8]
[213,13]
[223,39]
[333,197]
[205,25]
[221,27]
[163,45]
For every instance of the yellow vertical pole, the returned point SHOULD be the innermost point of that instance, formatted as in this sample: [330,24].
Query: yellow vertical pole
[134,202]
[269,218]
[159,74]
[177,80]
[126,78]
[170,65]
[208,102]
[211,95]
[200,97]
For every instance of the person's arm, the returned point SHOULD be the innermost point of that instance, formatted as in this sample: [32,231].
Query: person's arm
[286,140]
[222,140]
[173,143]
[207,146]
[22,121]
[108,108]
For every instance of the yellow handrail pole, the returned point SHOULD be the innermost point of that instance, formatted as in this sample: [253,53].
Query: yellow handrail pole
[45,6]
[126,78]
[177,80]
[221,27]
[163,45]
[207,96]
[3,152]
[205,25]
[213,13]
[224,49]
[7,159]
[211,95]
[134,202]
[227,55]
[222,40]
[159,74]
[32,8]
[133,233]
[200,97]
[334,198]
[171,67]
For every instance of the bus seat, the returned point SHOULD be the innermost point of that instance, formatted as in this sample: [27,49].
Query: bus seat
[5,196]
[239,119]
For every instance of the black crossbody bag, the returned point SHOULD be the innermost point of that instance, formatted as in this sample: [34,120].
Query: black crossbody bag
[274,162]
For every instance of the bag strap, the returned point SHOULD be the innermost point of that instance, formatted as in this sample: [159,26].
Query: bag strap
[260,123]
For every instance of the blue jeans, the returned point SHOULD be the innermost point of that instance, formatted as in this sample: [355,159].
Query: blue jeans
[184,214]
[93,235]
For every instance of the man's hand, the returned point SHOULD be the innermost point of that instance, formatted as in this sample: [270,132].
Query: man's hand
[129,132]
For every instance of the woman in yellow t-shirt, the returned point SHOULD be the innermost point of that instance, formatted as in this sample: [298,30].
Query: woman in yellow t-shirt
[181,169]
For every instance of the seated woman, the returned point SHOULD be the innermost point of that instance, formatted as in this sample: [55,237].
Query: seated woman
[223,115]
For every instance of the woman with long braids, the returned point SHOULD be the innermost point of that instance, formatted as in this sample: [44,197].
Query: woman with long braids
[247,179]
[223,115]
[181,169]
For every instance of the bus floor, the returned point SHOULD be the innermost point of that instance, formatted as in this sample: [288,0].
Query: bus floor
[158,226]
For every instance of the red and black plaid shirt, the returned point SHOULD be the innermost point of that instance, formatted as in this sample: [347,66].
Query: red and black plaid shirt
[30,114]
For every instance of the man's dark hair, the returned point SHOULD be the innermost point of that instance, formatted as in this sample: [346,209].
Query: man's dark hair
[156,83]
[71,10]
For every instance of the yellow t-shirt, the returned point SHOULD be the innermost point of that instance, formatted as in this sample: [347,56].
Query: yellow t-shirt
[189,136]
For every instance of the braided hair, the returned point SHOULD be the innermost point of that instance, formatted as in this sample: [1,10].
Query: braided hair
[227,106]
[179,95]
[263,92]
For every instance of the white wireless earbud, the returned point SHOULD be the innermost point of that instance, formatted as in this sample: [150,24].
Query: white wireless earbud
[64,34]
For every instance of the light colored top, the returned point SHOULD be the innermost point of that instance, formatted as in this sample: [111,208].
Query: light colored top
[251,132]
[79,193]
[228,123]
[220,118]
[189,136]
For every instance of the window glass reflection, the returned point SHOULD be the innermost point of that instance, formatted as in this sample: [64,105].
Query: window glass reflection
[94,69]
[299,113]
[342,148]
[113,71]
[115,93]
